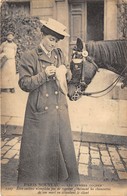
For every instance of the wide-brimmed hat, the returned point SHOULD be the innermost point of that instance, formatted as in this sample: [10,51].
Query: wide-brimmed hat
[54,28]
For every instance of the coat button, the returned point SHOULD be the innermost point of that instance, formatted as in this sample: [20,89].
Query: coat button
[46,107]
[56,92]
[47,95]
[57,107]
[54,78]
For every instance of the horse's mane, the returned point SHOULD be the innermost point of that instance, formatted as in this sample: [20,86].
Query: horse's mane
[109,54]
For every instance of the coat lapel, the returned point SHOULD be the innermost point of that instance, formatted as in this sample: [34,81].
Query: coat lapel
[54,58]
[43,56]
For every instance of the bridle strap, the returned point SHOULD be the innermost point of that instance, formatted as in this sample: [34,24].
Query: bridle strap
[83,68]
[111,85]
[92,61]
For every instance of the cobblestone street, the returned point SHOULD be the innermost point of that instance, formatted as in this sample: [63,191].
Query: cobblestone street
[96,161]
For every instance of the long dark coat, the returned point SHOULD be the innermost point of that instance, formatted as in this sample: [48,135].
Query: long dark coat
[47,152]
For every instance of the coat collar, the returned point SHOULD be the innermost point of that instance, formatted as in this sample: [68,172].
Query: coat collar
[43,56]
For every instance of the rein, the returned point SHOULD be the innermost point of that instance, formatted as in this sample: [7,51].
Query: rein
[111,87]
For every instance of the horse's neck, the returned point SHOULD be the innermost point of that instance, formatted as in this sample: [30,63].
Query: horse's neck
[110,55]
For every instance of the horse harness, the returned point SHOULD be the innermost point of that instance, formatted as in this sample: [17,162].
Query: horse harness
[80,88]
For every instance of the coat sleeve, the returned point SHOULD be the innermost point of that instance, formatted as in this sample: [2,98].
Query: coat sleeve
[29,79]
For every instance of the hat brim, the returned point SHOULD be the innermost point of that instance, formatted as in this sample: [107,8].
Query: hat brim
[55,29]
[48,31]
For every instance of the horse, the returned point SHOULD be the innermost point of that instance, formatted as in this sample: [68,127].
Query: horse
[86,60]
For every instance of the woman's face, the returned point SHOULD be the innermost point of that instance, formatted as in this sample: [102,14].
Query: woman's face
[49,42]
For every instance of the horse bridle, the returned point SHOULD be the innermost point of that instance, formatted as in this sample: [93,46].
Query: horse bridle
[110,87]
[79,51]
[78,93]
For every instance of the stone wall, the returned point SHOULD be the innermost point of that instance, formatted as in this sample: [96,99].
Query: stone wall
[43,9]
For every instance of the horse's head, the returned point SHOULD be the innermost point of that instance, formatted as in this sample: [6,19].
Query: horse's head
[83,69]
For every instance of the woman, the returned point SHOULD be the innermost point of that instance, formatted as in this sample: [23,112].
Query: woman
[8,70]
[47,152]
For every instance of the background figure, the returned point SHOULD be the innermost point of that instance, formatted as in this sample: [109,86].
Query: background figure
[8,49]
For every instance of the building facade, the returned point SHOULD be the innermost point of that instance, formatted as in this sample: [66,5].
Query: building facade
[87,19]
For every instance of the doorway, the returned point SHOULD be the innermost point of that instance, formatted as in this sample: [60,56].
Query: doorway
[86,20]
[95,20]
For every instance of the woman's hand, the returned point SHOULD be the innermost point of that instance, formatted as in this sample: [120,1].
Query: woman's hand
[50,70]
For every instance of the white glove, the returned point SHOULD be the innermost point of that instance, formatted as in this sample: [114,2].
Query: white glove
[61,78]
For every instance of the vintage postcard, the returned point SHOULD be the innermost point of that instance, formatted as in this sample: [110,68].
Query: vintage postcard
[63,92]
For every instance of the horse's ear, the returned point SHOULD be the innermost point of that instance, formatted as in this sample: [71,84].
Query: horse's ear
[79,44]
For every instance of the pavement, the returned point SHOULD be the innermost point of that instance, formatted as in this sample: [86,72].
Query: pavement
[96,161]
[99,129]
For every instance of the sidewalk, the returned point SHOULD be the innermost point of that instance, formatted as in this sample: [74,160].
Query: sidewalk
[96,161]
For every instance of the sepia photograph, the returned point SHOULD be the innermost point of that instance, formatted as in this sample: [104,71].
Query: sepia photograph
[63,92]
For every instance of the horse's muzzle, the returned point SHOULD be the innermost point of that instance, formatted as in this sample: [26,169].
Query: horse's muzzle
[75,92]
